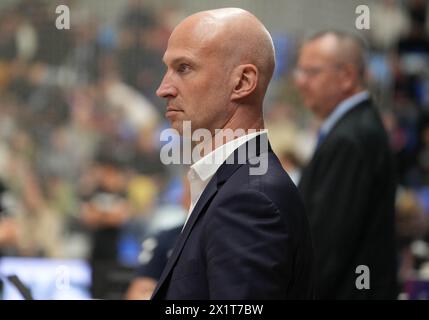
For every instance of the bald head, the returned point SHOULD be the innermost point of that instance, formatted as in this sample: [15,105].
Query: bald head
[236,36]
[219,64]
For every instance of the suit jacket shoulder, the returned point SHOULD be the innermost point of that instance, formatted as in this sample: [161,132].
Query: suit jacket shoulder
[361,127]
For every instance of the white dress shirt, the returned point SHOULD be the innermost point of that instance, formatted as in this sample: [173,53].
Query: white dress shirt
[201,172]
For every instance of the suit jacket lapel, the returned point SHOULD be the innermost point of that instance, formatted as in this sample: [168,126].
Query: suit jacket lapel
[223,173]
[349,113]
[207,195]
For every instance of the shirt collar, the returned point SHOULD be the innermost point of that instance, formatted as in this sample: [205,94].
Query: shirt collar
[207,166]
[342,109]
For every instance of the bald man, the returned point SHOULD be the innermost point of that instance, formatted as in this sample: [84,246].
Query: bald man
[348,187]
[246,235]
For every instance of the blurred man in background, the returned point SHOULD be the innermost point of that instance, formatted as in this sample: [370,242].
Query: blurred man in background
[348,186]
[105,210]
[153,258]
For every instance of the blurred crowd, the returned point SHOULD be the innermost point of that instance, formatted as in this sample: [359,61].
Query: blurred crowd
[80,172]
[79,149]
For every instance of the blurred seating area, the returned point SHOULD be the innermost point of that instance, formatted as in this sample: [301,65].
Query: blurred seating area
[80,172]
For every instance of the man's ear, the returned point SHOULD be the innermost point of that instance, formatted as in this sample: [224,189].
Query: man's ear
[350,77]
[245,81]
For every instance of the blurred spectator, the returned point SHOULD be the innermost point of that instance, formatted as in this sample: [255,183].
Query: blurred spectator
[105,210]
[138,111]
[154,255]
[418,176]
[9,22]
[389,22]
[411,222]
[52,44]
[153,258]
[139,56]
[411,225]
[348,186]
[415,41]
[417,10]
[8,226]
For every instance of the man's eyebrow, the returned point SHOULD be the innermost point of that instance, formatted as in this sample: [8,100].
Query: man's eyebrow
[178,60]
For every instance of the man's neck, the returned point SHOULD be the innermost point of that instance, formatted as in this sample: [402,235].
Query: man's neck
[349,94]
[240,124]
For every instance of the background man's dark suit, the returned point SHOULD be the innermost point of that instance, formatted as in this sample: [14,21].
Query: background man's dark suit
[247,238]
[348,188]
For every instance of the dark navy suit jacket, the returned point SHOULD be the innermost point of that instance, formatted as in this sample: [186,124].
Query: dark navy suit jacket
[349,192]
[247,238]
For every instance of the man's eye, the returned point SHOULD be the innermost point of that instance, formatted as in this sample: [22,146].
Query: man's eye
[183,68]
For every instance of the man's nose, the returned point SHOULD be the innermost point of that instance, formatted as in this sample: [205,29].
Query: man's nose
[166,88]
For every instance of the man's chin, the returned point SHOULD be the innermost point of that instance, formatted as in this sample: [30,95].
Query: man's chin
[178,126]
[184,128]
